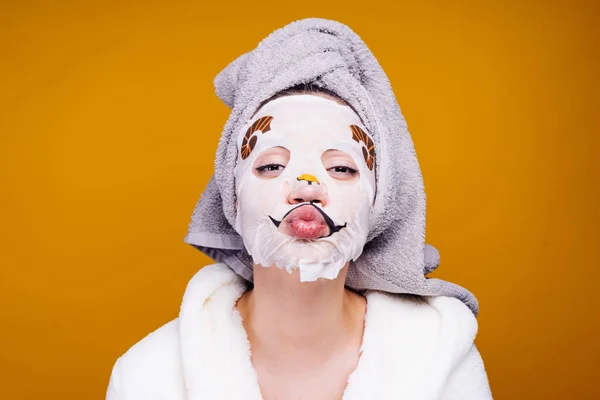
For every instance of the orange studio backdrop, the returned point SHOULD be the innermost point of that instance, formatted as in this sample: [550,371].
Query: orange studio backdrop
[108,128]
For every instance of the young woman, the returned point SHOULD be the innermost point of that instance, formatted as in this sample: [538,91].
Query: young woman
[316,217]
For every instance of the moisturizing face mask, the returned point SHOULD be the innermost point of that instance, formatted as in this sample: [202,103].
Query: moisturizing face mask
[305,185]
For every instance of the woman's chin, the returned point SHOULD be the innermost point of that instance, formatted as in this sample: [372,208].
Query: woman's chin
[306,250]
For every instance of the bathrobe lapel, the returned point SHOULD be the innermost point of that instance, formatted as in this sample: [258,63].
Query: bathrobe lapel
[402,355]
[214,345]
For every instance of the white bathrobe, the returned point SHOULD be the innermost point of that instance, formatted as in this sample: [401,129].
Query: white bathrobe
[411,350]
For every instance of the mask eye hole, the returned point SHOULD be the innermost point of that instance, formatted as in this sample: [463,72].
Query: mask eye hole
[270,163]
[340,165]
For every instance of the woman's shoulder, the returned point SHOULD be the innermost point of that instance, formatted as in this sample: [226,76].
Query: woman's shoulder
[426,344]
[150,366]
[154,364]
[164,343]
[422,309]
[424,321]
[158,347]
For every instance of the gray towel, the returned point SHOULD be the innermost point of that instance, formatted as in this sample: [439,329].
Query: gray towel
[330,55]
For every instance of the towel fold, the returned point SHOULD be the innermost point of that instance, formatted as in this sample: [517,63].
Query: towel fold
[330,55]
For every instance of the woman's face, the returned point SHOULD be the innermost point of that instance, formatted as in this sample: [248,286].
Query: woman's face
[305,184]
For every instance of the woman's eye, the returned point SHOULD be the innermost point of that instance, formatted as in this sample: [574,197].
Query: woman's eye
[270,170]
[342,172]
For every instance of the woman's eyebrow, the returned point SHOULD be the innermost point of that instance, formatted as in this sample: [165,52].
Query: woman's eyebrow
[338,153]
[335,151]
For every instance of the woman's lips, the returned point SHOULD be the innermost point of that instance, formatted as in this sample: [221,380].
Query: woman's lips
[305,222]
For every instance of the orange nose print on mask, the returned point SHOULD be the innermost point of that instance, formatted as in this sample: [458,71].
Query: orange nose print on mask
[308,178]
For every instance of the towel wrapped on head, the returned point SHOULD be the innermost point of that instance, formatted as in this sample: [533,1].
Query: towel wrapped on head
[329,55]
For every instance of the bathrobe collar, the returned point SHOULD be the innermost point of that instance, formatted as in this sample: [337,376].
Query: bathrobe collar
[405,356]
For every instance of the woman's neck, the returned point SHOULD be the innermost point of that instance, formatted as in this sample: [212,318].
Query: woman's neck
[302,320]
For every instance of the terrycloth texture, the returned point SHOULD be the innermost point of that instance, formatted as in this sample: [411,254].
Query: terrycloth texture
[411,350]
[332,56]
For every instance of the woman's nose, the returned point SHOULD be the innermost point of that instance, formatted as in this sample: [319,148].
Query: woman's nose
[307,188]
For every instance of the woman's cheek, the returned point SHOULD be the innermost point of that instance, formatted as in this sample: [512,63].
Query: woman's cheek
[262,196]
[345,200]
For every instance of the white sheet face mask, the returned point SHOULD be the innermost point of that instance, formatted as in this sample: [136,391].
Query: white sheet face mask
[305,185]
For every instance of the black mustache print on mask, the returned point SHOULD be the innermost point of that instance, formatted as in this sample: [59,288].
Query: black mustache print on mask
[333,228]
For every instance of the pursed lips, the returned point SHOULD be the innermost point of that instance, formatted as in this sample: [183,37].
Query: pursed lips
[307,221]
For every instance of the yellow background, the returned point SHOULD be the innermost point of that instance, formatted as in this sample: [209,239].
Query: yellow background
[108,128]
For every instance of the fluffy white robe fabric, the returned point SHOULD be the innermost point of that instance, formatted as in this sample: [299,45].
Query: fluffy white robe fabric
[411,350]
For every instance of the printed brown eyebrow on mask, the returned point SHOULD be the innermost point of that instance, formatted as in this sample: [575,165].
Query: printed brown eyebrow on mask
[262,124]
